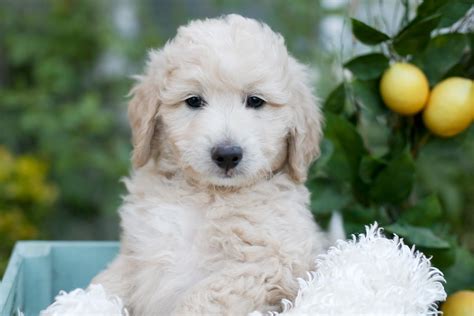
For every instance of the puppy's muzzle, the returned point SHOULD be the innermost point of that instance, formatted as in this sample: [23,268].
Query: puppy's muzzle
[227,157]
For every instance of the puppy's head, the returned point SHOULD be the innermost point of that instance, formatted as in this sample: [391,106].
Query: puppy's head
[229,102]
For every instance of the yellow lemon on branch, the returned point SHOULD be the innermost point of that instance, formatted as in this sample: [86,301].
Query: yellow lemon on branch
[450,107]
[404,88]
[459,304]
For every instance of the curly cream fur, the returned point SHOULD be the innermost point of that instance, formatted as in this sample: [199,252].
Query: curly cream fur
[196,241]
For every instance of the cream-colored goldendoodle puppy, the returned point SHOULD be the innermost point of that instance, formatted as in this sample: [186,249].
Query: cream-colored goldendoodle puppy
[216,219]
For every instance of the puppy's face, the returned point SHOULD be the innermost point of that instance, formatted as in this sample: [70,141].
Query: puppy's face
[227,136]
[225,115]
[227,99]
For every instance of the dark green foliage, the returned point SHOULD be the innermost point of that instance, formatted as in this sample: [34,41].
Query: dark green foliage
[450,10]
[379,166]
[348,148]
[367,98]
[393,184]
[368,66]
[424,213]
[442,53]
[367,34]
[335,101]
[56,105]
[460,273]
[416,35]
[420,236]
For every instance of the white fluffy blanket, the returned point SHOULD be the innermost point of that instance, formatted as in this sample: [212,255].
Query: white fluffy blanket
[367,275]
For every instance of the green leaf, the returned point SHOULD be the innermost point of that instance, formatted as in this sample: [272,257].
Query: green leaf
[376,132]
[356,216]
[368,66]
[327,197]
[425,213]
[327,150]
[335,101]
[369,167]
[416,35]
[442,53]
[454,11]
[367,95]
[367,34]
[442,258]
[359,214]
[419,236]
[394,183]
[460,275]
[348,148]
[429,7]
[450,10]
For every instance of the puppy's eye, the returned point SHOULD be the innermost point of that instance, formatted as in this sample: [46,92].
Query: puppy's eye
[194,102]
[254,102]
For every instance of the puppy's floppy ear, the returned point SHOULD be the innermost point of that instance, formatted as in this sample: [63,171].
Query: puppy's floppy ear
[142,114]
[143,110]
[306,130]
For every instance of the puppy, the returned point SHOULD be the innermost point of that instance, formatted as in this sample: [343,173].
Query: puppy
[216,218]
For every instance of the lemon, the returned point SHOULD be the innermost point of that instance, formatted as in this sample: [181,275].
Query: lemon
[472,100]
[449,109]
[404,88]
[459,304]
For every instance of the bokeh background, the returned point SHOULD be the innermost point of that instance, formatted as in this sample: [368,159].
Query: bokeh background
[65,71]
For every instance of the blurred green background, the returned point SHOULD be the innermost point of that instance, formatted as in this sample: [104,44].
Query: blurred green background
[65,69]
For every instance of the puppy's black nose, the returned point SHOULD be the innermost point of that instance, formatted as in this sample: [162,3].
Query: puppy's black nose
[226,157]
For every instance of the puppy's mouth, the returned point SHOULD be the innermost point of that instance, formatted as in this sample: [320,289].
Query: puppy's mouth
[231,178]
[229,173]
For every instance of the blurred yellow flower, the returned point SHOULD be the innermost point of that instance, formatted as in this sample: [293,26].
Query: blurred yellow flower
[25,198]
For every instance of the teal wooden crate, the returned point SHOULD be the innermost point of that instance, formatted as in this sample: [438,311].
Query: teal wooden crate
[38,270]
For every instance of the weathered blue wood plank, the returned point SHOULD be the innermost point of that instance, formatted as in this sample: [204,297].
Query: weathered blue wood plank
[38,270]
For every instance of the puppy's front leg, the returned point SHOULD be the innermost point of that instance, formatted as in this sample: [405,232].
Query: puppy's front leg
[237,290]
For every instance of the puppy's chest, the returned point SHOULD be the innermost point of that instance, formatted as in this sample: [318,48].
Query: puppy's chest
[207,234]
